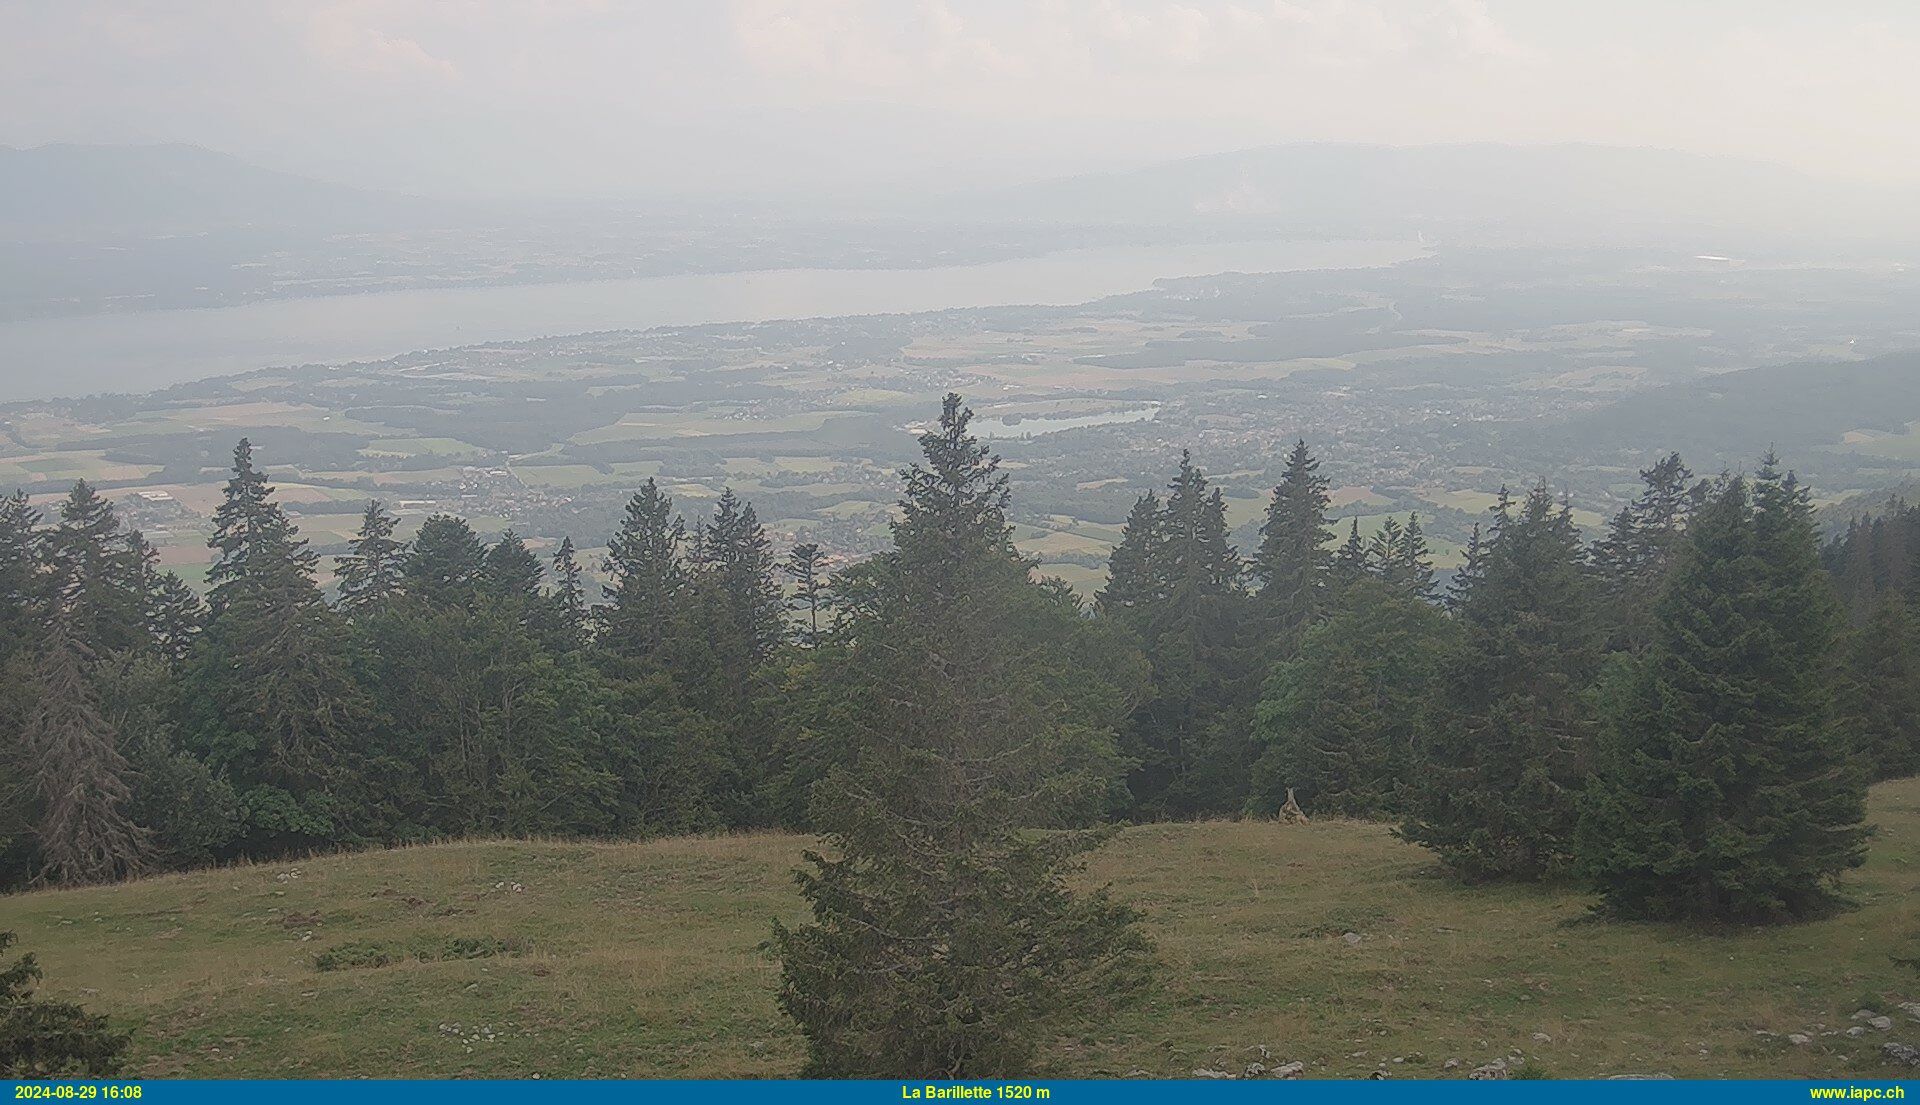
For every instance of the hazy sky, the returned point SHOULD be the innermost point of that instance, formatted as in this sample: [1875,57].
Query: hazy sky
[595,96]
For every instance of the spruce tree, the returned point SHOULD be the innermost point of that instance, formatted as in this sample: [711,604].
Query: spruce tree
[1500,770]
[487,730]
[1350,559]
[101,571]
[1632,560]
[270,696]
[193,814]
[810,597]
[41,1038]
[369,575]
[175,615]
[1339,724]
[1397,555]
[80,778]
[1294,563]
[944,935]
[510,571]
[1880,685]
[1725,792]
[1383,550]
[649,576]
[570,594]
[1189,735]
[1472,568]
[1852,569]
[446,565]
[1133,588]
[254,544]
[23,583]
[733,570]
[735,621]
[1413,561]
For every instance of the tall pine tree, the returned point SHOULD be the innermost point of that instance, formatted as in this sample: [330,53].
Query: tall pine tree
[446,564]
[1350,559]
[1294,563]
[737,620]
[271,700]
[649,576]
[1339,725]
[101,571]
[1501,769]
[1189,735]
[369,575]
[1133,587]
[1725,792]
[808,572]
[1631,562]
[944,934]
[1880,685]
[570,595]
[23,582]
[81,780]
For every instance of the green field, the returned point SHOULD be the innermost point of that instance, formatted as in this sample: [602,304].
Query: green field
[68,466]
[1902,447]
[645,959]
[420,447]
[560,475]
[677,425]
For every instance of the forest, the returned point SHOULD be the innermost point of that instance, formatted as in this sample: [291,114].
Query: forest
[1684,714]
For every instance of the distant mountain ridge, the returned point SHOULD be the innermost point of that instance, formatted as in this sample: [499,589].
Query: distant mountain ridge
[70,191]
[1481,188]
[1480,191]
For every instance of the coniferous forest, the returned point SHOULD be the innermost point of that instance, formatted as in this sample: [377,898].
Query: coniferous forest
[1685,713]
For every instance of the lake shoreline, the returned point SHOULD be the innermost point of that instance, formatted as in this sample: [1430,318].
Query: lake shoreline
[135,352]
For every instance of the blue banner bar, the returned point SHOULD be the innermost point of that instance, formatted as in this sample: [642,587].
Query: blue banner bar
[1064,1092]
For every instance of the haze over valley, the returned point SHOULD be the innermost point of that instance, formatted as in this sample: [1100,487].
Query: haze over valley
[954,543]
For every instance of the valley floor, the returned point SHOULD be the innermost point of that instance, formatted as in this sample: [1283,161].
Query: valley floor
[1331,944]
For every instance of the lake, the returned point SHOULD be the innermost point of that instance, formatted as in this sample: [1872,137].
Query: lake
[143,350]
[1036,425]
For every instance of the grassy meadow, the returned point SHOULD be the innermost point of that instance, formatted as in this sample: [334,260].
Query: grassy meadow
[1332,944]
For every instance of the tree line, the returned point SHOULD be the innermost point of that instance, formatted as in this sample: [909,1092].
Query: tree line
[1682,713]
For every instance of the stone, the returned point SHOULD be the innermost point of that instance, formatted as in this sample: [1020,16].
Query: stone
[1352,938]
[1911,1009]
[1864,1014]
[1290,1070]
[1491,1072]
[1255,1070]
[1378,1076]
[1799,1039]
[1901,1053]
[1856,1031]
[1209,1072]
[1882,1024]
[1451,1064]
[1542,1038]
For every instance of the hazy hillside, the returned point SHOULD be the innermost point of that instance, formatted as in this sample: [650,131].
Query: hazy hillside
[509,959]
[63,191]
[1477,191]
[1797,409]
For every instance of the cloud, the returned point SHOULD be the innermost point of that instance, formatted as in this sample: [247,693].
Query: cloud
[350,36]
[665,89]
[1104,56]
